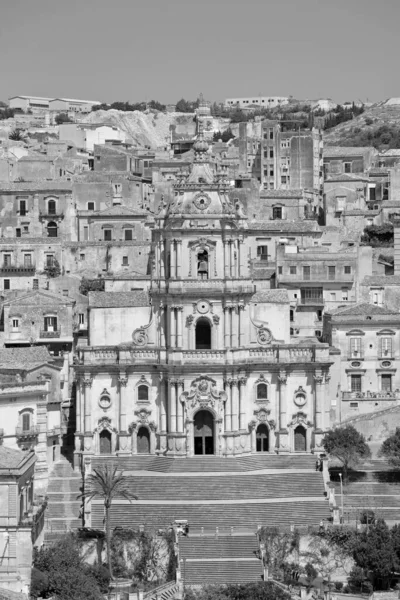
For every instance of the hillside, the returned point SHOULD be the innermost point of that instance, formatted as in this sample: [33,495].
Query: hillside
[149,128]
[366,129]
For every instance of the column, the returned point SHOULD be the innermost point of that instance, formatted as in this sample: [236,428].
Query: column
[163,312]
[242,402]
[227,334]
[163,406]
[87,384]
[123,381]
[327,403]
[179,317]
[172,331]
[241,308]
[241,251]
[78,407]
[228,406]
[234,327]
[172,259]
[232,243]
[282,378]
[162,258]
[172,406]
[179,411]
[235,405]
[178,257]
[157,258]
[319,408]
[226,259]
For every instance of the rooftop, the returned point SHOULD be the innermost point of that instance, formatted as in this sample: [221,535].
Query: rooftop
[348,177]
[363,309]
[382,280]
[286,226]
[21,358]
[332,151]
[37,185]
[118,299]
[279,296]
[11,458]
[281,193]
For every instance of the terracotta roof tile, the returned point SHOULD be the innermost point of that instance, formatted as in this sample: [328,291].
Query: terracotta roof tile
[286,226]
[21,358]
[11,458]
[279,296]
[118,299]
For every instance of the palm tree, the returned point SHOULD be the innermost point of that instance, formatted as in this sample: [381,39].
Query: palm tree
[107,483]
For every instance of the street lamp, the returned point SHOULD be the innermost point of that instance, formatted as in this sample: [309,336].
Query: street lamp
[341,493]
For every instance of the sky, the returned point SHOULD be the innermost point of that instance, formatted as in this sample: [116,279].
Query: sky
[135,50]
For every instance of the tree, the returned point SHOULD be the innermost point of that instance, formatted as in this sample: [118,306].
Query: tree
[107,483]
[91,285]
[53,270]
[375,553]
[347,445]
[60,572]
[265,590]
[62,118]
[16,135]
[390,449]
[186,106]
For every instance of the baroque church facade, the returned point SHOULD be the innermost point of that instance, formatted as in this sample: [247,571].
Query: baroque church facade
[199,362]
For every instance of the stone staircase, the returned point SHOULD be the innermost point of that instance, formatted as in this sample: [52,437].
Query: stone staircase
[63,503]
[219,559]
[231,494]
[167,591]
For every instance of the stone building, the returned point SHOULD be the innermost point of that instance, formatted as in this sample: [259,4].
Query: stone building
[366,372]
[200,362]
[16,500]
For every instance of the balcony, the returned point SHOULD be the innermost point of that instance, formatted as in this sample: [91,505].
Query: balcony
[50,334]
[382,395]
[209,286]
[17,270]
[27,434]
[51,216]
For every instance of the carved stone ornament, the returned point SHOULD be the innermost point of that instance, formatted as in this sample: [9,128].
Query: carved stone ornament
[143,415]
[105,400]
[139,337]
[131,427]
[300,397]
[300,418]
[264,336]
[202,201]
[262,414]
[203,393]
[105,423]
[216,319]
[203,307]
[189,320]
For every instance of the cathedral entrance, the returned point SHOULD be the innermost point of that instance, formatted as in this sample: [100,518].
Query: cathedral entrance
[262,438]
[203,334]
[143,441]
[203,432]
[105,442]
[300,439]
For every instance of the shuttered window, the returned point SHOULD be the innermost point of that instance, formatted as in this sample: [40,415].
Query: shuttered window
[355,347]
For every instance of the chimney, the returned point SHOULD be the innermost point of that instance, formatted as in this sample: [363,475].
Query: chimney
[396,234]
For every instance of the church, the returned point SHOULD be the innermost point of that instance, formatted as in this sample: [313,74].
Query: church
[199,361]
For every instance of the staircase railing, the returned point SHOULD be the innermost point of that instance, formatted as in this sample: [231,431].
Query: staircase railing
[162,591]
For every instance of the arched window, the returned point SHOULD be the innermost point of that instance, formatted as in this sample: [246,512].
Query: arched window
[143,393]
[51,207]
[202,264]
[52,229]
[203,334]
[262,391]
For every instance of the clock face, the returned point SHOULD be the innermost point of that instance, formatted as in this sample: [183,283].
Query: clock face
[300,400]
[202,201]
[203,307]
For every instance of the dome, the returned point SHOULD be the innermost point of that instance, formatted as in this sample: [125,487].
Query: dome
[201,146]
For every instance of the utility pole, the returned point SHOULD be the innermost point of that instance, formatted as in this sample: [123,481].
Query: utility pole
[341,493]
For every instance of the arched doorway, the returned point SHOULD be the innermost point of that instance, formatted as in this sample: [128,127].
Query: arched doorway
[105,442]
[143,441]
[300,439]
[203,334]
[262,438]
[203,432]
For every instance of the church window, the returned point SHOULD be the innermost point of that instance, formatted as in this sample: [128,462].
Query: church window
[203,334]
[51,207]
[262,391]
[143,393]
[202,264]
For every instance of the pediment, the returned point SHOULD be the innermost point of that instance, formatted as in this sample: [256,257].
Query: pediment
[40,298]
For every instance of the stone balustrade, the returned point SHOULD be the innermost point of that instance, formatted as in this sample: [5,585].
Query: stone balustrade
[369,395]
[284,353]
